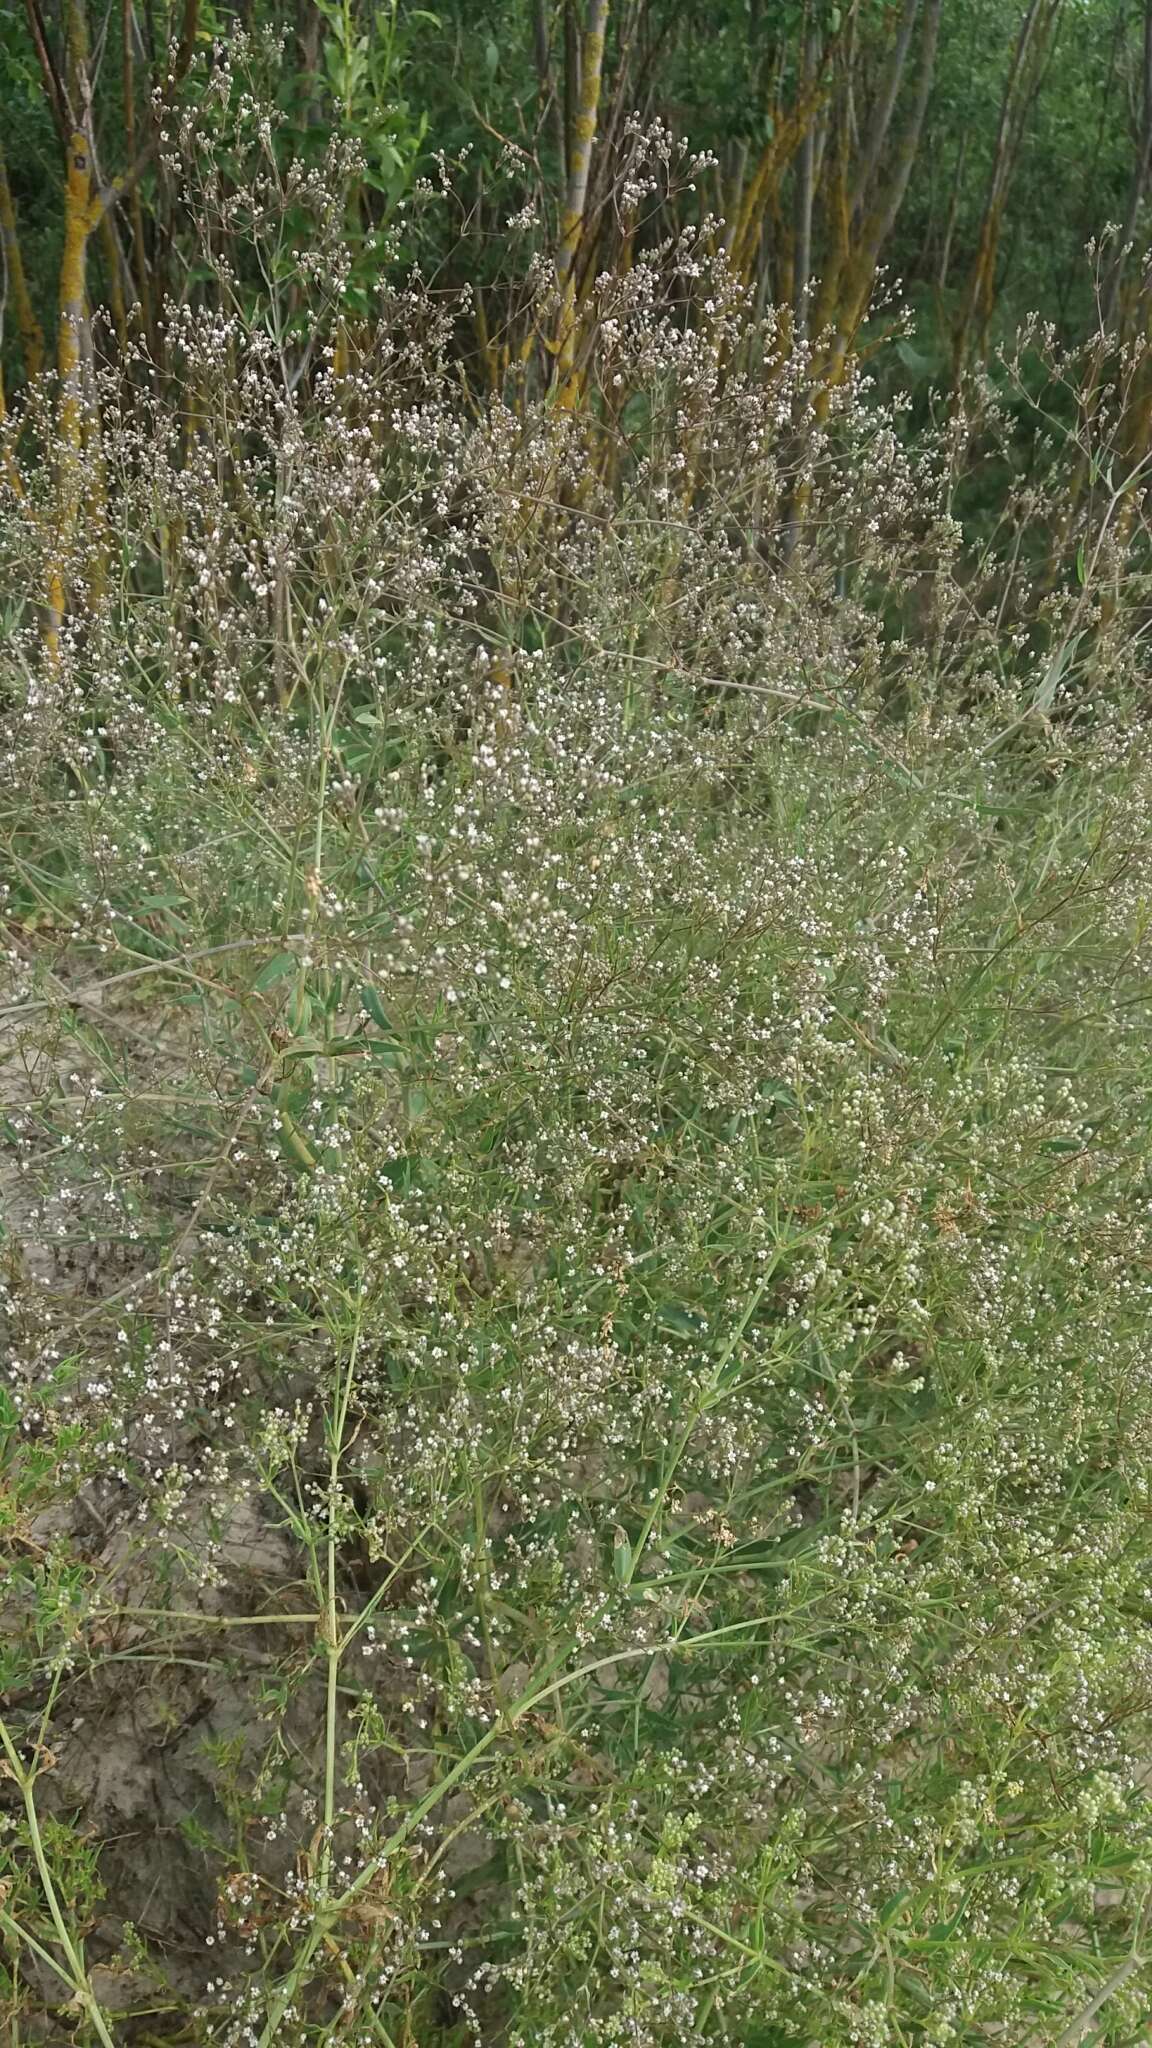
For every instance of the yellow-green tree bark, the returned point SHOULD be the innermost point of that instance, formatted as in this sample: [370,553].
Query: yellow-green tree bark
[583,132]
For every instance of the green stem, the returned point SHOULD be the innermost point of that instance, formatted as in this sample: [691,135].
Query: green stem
[333,1639]
[26,1780]
[685,1436]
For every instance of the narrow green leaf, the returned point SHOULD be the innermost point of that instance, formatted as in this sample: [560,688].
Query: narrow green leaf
[275,969]
[375,1009]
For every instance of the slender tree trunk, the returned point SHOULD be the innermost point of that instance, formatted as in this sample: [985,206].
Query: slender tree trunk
[71,350]
[730,203]
[189,29]
[142,277]
[860,275]
[1140,181]
[950,219]
[551,106]
[881,121]
[575,198]
[114,266]
[571,83]
[790,125]
[1036,26]
[16,282]
[805,180]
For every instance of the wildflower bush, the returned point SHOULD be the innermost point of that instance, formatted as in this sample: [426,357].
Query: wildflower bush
[575,1429]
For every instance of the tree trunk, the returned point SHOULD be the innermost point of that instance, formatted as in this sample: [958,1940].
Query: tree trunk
[575,198]
[950,219]
[1140,181]
[71,347]
[805,176]
[15,278]
[142,277]
[551,108]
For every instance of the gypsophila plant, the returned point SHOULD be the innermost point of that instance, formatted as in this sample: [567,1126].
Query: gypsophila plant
[575,1419]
